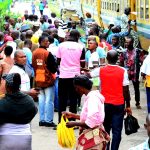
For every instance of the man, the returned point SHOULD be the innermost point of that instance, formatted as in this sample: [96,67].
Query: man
[29,35]
[131,59]
[145,72]
[71,56]
[5,66]
[19,67]
[45,68]
[41,8]
[103,44]
[125,20]
[28,66]
[116,30]
[44,24]
[114,87]
[15,36]
[145,145]
[11,24]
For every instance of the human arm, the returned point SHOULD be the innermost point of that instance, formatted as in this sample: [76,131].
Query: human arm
[71,124]
[126,93]
[1,72]
[82,59]
[121,60]
[71,115]
[51,63]
[2,47]
[32,92]
[126,33]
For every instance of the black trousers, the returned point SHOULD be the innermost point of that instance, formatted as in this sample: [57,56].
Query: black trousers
[66,92]
[41,12]
[137,92]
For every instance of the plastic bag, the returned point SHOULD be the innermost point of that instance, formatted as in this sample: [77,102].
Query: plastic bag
[131,125]
[66,136]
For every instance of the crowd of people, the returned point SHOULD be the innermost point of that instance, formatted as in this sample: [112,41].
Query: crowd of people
[40,59]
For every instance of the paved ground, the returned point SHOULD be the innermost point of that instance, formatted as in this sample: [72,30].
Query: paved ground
[45,138]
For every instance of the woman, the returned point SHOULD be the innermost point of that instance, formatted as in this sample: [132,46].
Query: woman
[92,114]
[16,112]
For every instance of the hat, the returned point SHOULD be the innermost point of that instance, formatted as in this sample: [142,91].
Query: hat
[9,78]
[8,38]
[24,27]
[36,24]
[61,33]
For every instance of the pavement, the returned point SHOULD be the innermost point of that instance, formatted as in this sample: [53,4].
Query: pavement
[45,138]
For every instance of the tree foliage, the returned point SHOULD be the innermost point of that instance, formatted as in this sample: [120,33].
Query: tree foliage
[4,10]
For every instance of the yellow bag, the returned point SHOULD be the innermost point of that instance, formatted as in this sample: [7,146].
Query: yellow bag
[66,136]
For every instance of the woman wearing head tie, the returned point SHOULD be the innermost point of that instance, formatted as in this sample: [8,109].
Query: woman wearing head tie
[16,112]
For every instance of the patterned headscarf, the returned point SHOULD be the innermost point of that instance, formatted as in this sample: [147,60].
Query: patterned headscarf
[9,78]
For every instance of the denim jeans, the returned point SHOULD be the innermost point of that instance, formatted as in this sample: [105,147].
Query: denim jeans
[56,106]
[46,104]
[148,98]
[114,115]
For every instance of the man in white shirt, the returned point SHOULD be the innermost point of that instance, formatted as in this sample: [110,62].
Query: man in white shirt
[19,67]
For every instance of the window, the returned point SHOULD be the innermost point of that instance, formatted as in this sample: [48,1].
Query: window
[107,5]
[112,6]
[141,9]
[115,7]
[146,9]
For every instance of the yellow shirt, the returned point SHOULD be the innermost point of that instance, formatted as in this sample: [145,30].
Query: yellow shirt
[147,81]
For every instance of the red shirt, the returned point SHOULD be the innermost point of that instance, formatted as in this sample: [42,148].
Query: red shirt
[112,84]
[105,44]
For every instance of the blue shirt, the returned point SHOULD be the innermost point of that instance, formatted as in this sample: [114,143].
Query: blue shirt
[99,50]
[28,67]
[41,6]
[109,38]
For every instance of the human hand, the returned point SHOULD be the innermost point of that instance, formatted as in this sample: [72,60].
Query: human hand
[68,114]
[34,92]
[128,111]
[70,124]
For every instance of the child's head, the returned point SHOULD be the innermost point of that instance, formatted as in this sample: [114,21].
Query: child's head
[147,125]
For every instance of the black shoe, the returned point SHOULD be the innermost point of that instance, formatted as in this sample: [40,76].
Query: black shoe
[55,110]
[41,123]
[52,124]
[55,128]
[138,107]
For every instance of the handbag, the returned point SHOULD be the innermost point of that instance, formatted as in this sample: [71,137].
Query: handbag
[131,125]
[93,137]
